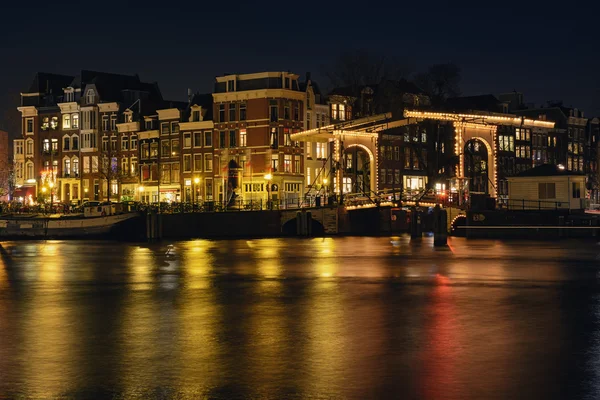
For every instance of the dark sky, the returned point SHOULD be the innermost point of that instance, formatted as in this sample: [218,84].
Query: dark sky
[546,52]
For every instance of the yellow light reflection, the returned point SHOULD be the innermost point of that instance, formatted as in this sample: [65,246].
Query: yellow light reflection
[140,264]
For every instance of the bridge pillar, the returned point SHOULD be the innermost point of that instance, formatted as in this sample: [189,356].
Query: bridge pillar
[440,227]
[415,224]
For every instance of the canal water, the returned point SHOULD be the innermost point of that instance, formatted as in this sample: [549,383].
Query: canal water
[333,318]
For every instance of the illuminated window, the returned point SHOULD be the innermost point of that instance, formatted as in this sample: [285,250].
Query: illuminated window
[187,140]
[124,143]
[67,121]
[274,140]
[75,121]
[287,163]
[208,162]
[198,162]
[242,137]
[274,162]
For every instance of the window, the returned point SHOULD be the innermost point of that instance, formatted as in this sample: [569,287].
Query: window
[46,146]
[287,163]
[69,96]
[506,143]
[113,143]
[273,140]
[349,161]
[113,122]
[187,163]
[67,121]
[397,153]
[231,85]
[174,127]
[124,143]
[232,139]
[124,165]
[321,150]
[175,173]
[207,138]
[134,166]
[242,137]
[45,123]
[164,128]
[308,182]
[196,115]
[197,139]
[274,162]
[242,111]
[165,173]
[88,120]
[105,123]
[208,189]
[423,136]
[90,96]
[67,167]
[286,137]
[297,112]
[149,123]
[75,121]
[187,140]
[54,145]
[308,124]
[547,190]
[165,148]
[286,110]
[105,143]
[18,147]
[86,165]
[198,162]
[273,111]
[232,116]
[221,112]
[222,139]
[407,160]
[94,163]
[382,173]
[175,147]
[208,162]
[29,171]
[29,126]
[576,190]
[74,142]
[66,143]
[153,149]
[341,112]
[297,165]
[397,177]
[134,142]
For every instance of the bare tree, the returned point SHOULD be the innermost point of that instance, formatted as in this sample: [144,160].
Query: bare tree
[356,69]
[440,81]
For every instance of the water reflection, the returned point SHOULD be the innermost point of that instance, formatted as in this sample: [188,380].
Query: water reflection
[315,318]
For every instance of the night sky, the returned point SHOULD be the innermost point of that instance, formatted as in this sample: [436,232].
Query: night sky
[545,51]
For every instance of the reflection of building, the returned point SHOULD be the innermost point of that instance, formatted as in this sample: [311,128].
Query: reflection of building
[316,154]
[255,115]
[5,170]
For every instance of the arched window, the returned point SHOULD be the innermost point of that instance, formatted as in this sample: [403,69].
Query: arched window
[67,167]
[75,166]
[29,171]
[67,121]
[90,96]
[29,148]
[74,142]
[66,143]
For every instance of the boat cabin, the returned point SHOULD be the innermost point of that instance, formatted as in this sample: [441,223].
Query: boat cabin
[547,187]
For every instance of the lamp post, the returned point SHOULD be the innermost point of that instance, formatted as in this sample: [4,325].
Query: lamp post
[268,178]
[325,181]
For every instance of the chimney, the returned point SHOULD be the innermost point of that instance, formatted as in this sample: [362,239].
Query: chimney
[189,94]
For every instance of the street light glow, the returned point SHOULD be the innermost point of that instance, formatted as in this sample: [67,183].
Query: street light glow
[141,189]
[196,180]
[268,176]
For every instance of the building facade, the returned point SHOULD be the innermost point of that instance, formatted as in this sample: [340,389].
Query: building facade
[254,156]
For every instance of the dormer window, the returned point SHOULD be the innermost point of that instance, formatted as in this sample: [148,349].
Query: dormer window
[231,86]
[90,97]
[69,95]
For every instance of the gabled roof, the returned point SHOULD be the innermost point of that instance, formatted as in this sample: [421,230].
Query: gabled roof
[547,170]
[45,82]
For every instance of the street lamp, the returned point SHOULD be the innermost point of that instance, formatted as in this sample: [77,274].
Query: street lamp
[268,178]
